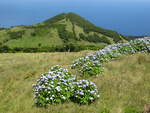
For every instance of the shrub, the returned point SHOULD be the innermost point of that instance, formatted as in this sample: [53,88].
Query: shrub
[91,68]
[53,87]
[5,49]
[33,34]
[58,86]
[85,92]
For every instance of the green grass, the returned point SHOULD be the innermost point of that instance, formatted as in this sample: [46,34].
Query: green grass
[29,42]
[125,83]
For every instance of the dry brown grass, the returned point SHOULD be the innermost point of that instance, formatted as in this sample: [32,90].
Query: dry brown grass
[124,83]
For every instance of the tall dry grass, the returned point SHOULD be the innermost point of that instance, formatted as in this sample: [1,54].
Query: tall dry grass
[125,83]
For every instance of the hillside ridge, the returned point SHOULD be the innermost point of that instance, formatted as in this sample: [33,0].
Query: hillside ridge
[63,32]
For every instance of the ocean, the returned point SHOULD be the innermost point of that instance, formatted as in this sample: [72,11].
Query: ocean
[126,17]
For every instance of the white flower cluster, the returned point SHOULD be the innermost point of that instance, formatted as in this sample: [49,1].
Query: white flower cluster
[111,52]
[57,86]
[85,92]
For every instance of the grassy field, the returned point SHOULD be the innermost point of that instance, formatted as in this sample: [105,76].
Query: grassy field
[124,84]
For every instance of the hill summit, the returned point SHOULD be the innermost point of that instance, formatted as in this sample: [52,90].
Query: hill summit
[64,32]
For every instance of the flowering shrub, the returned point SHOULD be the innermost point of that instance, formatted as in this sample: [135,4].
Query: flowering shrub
[53,87]
[58,85]
[87,63]
[91,68]
[85,92]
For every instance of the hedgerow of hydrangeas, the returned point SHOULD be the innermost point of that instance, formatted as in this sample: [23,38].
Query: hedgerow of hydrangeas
[53,87]
[58,85]
[110,52]
[85,92]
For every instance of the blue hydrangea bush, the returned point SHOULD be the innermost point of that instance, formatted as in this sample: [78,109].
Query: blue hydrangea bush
[86,64]
[58,86]
[91,68]
[85,92]
[53,87]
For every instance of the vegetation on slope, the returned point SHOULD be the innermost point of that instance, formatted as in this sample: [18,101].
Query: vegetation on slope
[2,28]
[67,30]
[92,64]
[124,86]
[88,27]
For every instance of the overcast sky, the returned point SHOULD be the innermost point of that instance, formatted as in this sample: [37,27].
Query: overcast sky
[130,17]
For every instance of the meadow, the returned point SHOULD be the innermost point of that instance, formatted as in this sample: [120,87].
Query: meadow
[124,85]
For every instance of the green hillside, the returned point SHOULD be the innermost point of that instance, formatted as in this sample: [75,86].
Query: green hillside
[124,86]
[64,32]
